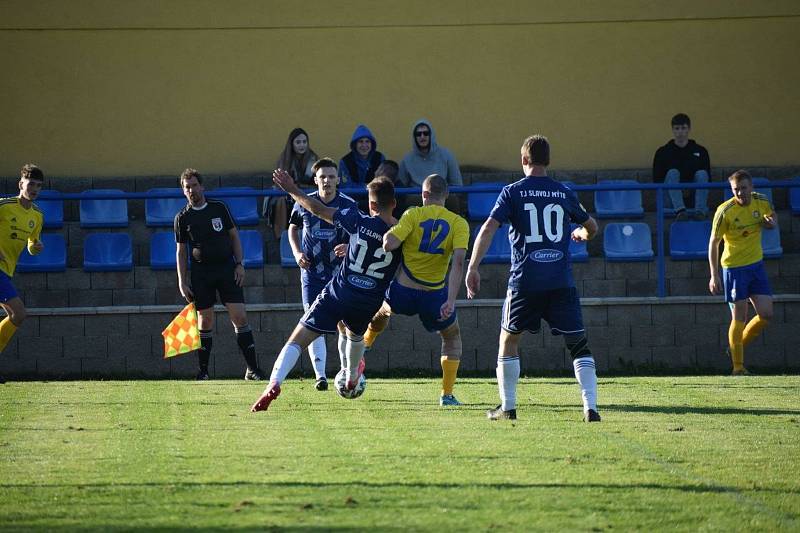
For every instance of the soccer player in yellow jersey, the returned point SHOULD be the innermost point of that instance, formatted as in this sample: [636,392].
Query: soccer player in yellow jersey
[431,236]
[738,222]
[20,225]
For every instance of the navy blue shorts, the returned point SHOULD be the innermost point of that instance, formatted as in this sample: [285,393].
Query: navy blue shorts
[742,282]
[7,289]
[310,290]
[327,310]
[426,304]
[561,308]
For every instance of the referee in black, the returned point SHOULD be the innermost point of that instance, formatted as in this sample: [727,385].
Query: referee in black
[207,229]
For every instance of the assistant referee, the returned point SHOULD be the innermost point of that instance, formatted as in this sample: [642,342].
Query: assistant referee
[204,231]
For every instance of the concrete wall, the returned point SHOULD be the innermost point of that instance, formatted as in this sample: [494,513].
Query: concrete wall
[118,88]
[627,335]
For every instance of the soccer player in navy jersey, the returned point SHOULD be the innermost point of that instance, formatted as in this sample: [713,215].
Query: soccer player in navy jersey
[313,242]
[354,294]
[540,285]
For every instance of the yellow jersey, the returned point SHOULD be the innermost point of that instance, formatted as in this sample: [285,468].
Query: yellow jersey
[429,235]
[18,227]
[739,226]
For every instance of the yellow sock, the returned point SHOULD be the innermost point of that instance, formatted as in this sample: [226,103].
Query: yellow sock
[449,371]
[375,328]
[7,330]
[735,342]
[753,329]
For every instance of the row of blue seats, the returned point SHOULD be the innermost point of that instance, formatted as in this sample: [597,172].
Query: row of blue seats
[616,204]
[113,252]
[626,241]
[111,213]
[631,241]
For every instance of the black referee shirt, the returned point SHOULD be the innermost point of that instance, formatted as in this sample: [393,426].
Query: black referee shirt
[206,231]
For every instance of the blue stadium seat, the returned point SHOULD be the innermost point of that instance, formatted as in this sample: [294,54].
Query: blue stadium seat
[287,257]
[577,250]
[500,248]
[480,204]
[52,259]
[244,209]
[162,211]
[52,206]
[771,243]
[162,250]
[758,186]
[794,197]
[627,241]
[253,248]
[107,252]
[689,240]
[614,204]
[99,213]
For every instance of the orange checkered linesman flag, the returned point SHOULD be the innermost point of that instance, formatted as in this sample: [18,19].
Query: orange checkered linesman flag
[181,335]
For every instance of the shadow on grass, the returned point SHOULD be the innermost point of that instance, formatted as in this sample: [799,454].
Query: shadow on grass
[360,484]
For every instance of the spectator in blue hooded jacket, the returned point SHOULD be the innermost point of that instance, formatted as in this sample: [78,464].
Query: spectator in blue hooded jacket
[358,167]
[427,157]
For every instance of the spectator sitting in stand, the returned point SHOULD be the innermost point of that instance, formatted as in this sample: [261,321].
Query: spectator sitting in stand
[682,160]
[297,159]
[358,167]
[427,157]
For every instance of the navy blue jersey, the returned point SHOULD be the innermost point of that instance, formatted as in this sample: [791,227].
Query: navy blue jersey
[367,270]
[540,210]
[319,239]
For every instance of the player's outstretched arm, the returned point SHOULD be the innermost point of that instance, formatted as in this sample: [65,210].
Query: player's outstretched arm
[715,283]
[286,183]
[453,282]
[390,242]
[769,221]
[482,242]
[297,249]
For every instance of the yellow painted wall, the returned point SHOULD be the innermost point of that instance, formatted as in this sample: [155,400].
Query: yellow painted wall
[119,88]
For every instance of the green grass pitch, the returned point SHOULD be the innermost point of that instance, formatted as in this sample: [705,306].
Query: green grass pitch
[676,453]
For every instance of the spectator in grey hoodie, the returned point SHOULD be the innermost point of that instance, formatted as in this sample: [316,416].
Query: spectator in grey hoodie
[427,157]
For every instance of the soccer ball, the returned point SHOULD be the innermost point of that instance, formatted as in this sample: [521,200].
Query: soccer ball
[341,386]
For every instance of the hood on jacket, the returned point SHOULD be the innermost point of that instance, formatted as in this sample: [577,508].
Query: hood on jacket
[360,132]
[433,144]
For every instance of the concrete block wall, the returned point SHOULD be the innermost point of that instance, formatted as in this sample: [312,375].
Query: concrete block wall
[626,335]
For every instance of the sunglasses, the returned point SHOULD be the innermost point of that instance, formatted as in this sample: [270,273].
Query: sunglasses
[422,134]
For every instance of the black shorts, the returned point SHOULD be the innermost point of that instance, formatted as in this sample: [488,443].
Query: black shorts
[208,280]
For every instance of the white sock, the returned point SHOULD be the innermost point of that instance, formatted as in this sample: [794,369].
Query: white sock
[343,349]
[587,379]
[507,377]
[318,353]
[286,360]
[354,352]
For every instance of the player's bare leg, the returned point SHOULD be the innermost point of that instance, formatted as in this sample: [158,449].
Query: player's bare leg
[377,325]
[15,311]
[451,358]
[300,338]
